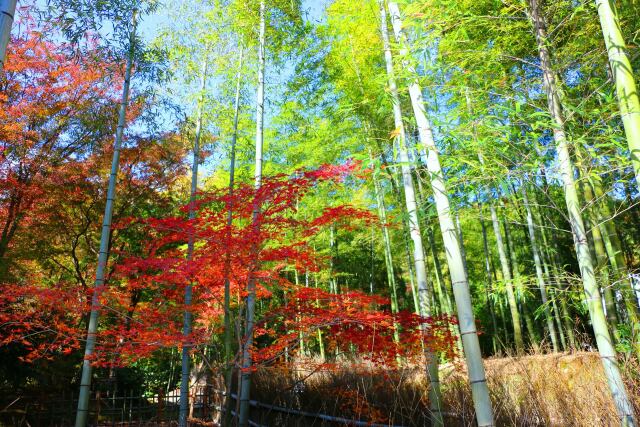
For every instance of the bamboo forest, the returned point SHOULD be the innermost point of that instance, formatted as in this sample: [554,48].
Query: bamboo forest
[319,213]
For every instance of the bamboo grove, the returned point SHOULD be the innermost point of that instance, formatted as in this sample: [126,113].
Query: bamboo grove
[195,191]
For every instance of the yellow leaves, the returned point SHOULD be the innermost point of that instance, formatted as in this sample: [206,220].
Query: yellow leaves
[395,133]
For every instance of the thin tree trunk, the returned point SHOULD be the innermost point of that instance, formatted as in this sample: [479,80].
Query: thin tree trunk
[601,259]
[553,276]
[613,249]
[558,320]
[320,340]
[463,251]
[7,12]
[466,318]
[435,396]
[245,389]
[489,285]
[103,256]
[387,245]
[186,328]
[517,278]
[508,279]
[382,212]
[603,338]
[333,248]
[440,282]
[542,286]
[626,87]
[228,334]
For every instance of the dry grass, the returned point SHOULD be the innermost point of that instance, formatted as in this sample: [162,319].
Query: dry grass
[537,390]
[540,390]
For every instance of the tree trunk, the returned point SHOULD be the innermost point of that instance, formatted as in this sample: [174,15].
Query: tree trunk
[592,293]
[245,388]
[466,318]
[435,396]
[626,87]
[103,256]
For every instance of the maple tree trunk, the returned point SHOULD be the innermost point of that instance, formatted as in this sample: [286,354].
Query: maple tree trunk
[7,12]
[626,88]
[186,329]
[14,213]
[85,381]
[228,335]
[603,338]
[466,318]
[245,387]
[542,286]
[435,397]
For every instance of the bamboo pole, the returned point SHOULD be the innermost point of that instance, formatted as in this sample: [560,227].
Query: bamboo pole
[7,13]
[592,293]
[460,284]
[245,388]
[186,329]
[626,88]
[103,254]
[542,286]
[435,397]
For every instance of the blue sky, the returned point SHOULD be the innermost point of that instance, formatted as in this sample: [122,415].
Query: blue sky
[314,12]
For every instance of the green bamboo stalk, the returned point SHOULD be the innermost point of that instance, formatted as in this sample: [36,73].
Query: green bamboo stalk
[103,255]
[391,281]
[186,329]
[508,279]
[228,330]
[489,284]
[616,258]
[601,259]
[320,340]
[603,338]
[460,284]
[435,396]
[552,272]
[245,387]
[520,292]
[440,283]
[7,12]
[387,245]
[626,88]
[542,286]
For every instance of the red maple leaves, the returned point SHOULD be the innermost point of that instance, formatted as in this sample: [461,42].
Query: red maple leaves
[143,303]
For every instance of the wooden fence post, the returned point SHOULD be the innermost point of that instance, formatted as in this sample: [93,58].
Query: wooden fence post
[160,404]
[98,407]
